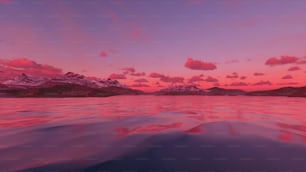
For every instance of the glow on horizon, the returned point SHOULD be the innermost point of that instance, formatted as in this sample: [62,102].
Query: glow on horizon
[239,44]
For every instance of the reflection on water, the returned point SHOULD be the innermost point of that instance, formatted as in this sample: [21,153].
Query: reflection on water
[153,133]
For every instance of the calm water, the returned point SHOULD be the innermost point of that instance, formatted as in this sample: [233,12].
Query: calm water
[153,133]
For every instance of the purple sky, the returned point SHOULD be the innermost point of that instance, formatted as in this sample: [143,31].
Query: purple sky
[99,38]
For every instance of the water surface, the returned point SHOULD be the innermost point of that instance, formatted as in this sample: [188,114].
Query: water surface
[153,133]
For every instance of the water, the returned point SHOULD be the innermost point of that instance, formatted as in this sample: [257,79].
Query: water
[153,133]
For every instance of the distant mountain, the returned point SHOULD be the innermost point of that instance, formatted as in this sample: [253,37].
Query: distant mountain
[76,85]
[182,90]
[194,90]
[68,85]
[285,91]
[215,91]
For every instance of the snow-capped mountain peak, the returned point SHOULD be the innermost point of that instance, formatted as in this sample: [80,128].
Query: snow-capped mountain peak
[74,75]
[182,89]
[24,80]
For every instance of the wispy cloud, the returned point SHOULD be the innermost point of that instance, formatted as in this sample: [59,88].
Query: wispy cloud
[117,76]
[274,61]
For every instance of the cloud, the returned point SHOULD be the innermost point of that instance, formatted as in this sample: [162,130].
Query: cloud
[287,77]
[141,80]
[288,83]
[137,33]
[281,61]
[211,79]
[302,61]
[234,75]
[140,85]
[175,79]
[294,68]
[158,84]
[199,65]
[23,65]
[216,84]
[129,70]
[106,53]
[243,77]
[103,54]
[156,75]
[117,76]
[138,74]
[165,78]
[258,74]
[239,84]
[263,83]
[197,78]
[132,71]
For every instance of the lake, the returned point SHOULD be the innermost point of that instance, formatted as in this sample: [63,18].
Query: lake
[153,133]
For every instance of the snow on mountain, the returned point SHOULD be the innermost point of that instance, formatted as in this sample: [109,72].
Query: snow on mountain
[24,80]
[194,90]
[182,90]
[108,83]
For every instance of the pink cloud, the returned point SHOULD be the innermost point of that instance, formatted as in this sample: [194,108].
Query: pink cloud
[103,54]
[15,67]
[197,78]
[263,83]
[287,77]
[129,70]
[294,68]
[216,84]
[140,85]
[138,34]
[106,53]
[141,80]
[158,84]
[234,75]
[302,61]
[165,78]
[243,77]
[172,79]
[117,76]
[138,74]
[199,65]
[239,84]
[288,83]
[281,61]
[156,75]
[211,79]
[132,71]
[258,74]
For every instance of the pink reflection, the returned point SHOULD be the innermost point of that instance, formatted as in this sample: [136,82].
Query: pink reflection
[82,126]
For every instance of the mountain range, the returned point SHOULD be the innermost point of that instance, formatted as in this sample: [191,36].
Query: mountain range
[68,85]
[76,85]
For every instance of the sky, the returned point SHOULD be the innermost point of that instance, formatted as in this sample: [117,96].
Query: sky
[148,45]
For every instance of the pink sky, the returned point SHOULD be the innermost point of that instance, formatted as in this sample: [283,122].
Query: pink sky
[149,45]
